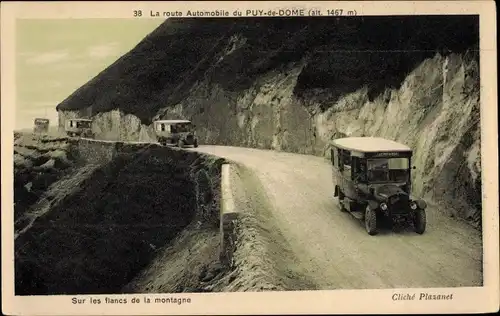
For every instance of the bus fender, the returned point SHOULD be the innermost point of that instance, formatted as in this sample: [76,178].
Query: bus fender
[373,204]
[421,204]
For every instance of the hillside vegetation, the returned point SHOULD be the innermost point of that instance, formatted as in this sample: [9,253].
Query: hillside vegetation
[161,69]
[107,221]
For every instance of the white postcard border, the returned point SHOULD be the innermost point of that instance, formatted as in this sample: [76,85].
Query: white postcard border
[466,300]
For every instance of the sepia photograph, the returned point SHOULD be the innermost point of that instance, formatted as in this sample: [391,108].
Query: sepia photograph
[231,150]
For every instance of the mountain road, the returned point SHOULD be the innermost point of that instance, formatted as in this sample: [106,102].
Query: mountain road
[333,248]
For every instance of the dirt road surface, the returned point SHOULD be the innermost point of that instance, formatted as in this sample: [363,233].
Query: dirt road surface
[333,248]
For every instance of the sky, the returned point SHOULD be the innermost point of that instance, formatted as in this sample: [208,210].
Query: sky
[56,57]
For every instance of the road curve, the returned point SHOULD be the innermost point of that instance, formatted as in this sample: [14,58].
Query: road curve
[335,251]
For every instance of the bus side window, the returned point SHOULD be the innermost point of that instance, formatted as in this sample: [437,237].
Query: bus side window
[340,160]
[346,157]
[362,170]
[354,167]
[358,170]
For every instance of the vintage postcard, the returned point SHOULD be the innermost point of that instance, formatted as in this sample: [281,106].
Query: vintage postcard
[186,158]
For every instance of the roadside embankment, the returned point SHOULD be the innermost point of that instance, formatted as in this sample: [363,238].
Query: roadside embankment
[259,256]
[255,256]
[117,219]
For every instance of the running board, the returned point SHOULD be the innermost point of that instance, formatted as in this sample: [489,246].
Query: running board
[358,215]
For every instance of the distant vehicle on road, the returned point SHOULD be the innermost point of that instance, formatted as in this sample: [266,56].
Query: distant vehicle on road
[176,132]
[41,125]
[372,179]
[79,127]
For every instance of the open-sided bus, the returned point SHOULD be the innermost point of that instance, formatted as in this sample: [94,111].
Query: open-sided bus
[175,132]
[79,127]
[372,179]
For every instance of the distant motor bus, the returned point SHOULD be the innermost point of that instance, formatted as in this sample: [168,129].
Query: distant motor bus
[41,126]
[79,127]
[176,132]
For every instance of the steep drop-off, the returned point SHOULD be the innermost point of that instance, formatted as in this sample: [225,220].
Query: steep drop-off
[294,84]
[99,233]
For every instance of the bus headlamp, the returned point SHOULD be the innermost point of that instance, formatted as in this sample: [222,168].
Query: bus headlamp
[383,206]
[413,205]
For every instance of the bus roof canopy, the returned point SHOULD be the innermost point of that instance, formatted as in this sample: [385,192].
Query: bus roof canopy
[173,121]
[370,144]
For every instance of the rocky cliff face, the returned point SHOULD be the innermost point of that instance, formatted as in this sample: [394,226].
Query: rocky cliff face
[112,125]
[436,112]
[296,87]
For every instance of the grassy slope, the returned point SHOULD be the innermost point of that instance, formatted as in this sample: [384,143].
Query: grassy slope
[99,237]
[162,68]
